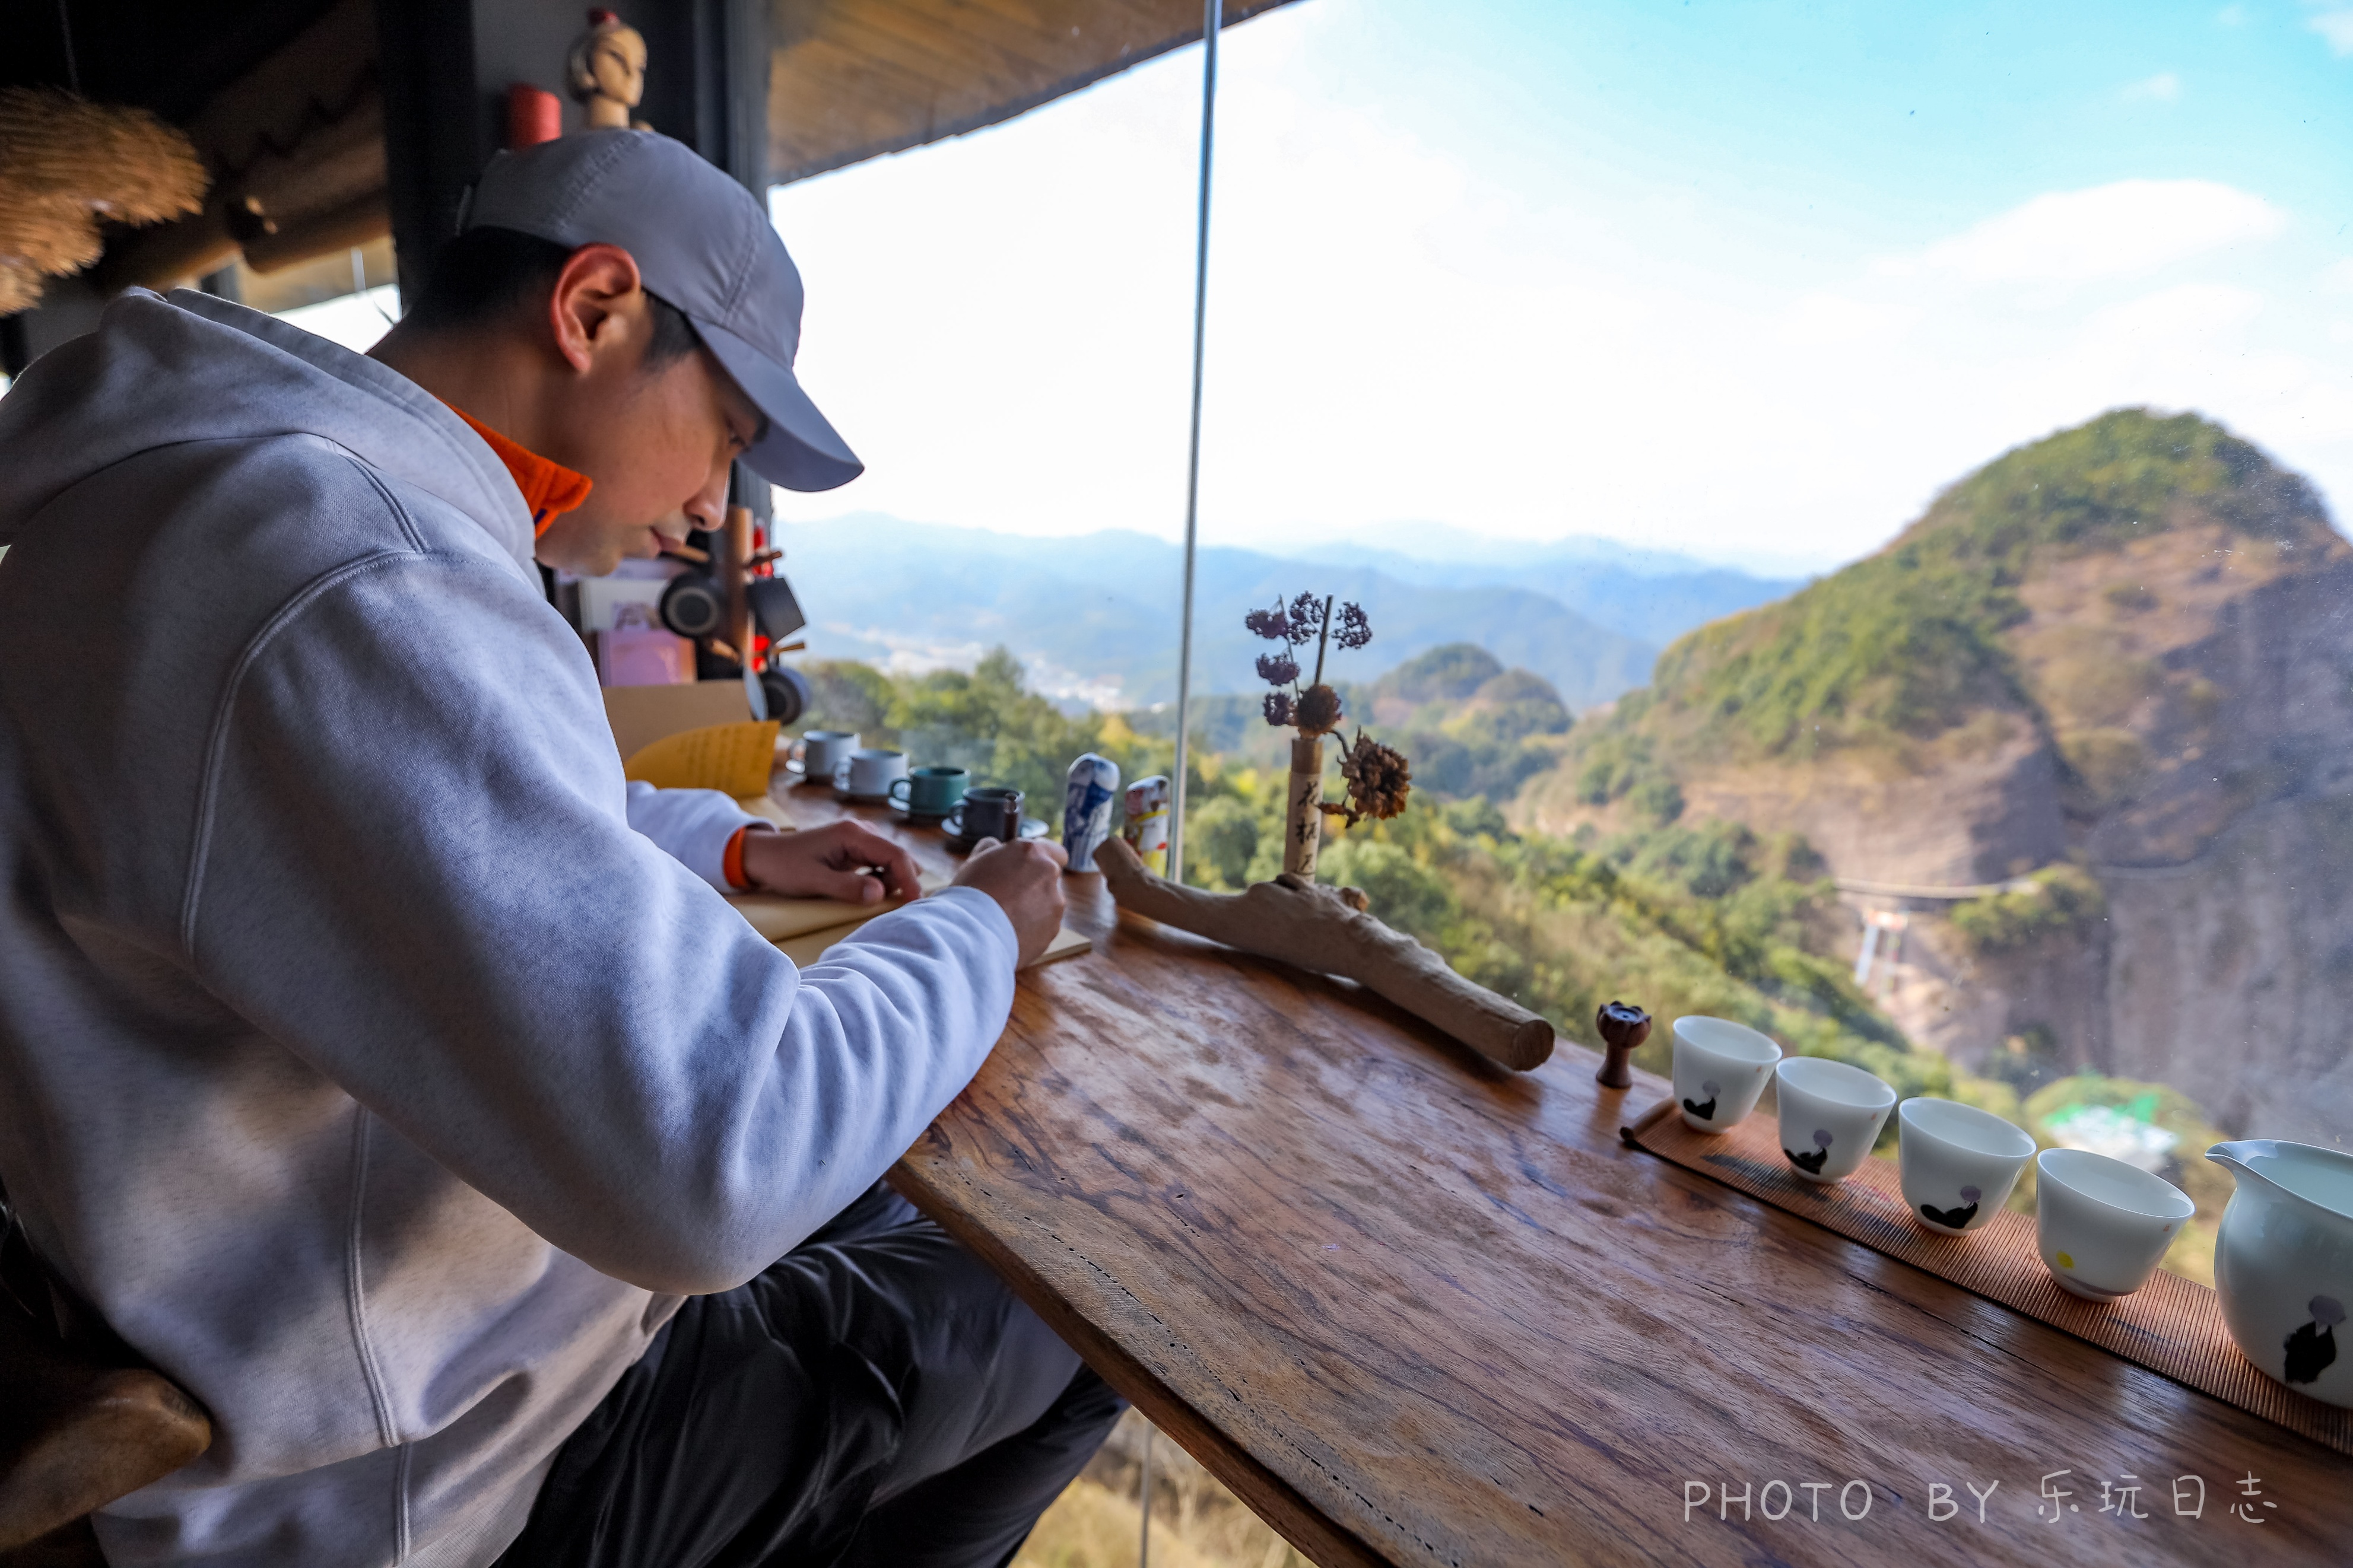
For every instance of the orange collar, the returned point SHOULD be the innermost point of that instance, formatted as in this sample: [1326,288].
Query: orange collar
[549,488]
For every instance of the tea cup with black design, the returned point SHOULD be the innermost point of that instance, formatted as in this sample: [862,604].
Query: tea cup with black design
[1830,1115]
[1958,1163]
[1720,1068]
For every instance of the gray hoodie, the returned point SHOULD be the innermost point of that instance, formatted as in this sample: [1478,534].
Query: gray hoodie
[358,1060]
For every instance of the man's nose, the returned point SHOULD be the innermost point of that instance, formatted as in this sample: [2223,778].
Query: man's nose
[708,506]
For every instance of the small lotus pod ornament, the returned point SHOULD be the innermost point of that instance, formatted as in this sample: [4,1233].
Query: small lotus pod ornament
[1622,1028]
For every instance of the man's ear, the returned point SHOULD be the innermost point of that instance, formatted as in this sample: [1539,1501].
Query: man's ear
[599,286]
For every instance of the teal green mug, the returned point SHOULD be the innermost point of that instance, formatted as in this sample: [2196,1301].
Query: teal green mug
[929,792]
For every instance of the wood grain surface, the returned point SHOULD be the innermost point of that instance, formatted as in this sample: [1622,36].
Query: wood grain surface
[1417,1310]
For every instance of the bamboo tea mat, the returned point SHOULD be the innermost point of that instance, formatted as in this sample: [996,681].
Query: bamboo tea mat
[2171,1325]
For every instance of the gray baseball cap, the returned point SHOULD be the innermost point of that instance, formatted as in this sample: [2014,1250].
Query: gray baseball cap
[701,242]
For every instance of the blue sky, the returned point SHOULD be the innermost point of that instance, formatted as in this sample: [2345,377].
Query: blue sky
[1751,281]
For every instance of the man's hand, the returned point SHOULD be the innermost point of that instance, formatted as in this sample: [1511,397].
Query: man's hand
[1025,880]
[829,862]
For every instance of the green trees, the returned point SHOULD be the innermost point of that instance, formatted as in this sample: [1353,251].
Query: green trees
[2057,901]
[1683,917]
[987,721]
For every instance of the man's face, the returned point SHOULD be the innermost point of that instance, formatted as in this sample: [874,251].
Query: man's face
[659,445]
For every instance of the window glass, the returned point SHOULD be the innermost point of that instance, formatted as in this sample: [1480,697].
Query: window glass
[1842,496]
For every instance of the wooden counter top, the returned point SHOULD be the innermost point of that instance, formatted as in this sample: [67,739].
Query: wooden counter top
[1416,1310]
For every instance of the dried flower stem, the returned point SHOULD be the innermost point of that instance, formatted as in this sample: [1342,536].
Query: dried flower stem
[1323,637]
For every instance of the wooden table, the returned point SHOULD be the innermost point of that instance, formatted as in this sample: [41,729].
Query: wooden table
[1414,1309]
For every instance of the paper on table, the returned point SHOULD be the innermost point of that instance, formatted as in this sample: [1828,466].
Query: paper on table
[735,758]
[780,919]
[641,715]
[805,951]
[767,811]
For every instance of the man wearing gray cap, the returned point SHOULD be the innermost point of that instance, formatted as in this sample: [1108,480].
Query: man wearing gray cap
[373,1059]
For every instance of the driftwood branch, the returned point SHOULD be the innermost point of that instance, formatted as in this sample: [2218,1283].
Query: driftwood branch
[1328,931]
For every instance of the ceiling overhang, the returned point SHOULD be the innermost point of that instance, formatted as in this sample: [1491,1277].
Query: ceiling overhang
[285,103]
[853,80]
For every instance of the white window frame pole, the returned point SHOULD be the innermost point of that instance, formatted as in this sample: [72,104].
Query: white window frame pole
[1212,19]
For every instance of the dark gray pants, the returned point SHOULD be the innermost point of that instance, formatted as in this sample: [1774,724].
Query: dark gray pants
[877,1396]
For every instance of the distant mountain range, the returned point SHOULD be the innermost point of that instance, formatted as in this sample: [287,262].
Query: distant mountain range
[1095,617]
[1651,596]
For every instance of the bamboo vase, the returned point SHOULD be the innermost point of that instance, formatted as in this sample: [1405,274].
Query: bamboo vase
[1303,824]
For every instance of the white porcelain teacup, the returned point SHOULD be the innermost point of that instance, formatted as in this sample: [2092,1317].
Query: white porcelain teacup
[870,771]
[1719,1070]
[1830,1115]
[2101,1225]
[819,752]
[1958,1163]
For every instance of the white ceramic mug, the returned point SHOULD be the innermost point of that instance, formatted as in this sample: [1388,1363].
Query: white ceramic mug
[819,752]
[1830,1115]
[1958,1163]
[870,771]
[1719,1070]
[2102,1225]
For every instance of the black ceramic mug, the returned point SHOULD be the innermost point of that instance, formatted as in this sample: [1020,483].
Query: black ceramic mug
[991,813]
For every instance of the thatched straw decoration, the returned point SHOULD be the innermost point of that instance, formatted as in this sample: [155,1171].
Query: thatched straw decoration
[67,165]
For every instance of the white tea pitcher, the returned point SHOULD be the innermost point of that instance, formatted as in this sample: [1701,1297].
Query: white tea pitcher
[2284,1262]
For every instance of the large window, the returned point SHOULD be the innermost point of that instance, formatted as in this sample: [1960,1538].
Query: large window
[1842,495]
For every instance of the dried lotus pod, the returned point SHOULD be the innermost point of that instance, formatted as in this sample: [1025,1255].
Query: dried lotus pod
[1377,777]
[1317,711]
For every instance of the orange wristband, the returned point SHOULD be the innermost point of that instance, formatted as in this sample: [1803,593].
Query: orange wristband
[731,865]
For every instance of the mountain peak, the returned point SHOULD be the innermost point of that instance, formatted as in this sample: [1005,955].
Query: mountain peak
[2128,473]
[1914,640]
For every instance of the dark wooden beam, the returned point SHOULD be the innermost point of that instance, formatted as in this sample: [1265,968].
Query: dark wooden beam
[434,146]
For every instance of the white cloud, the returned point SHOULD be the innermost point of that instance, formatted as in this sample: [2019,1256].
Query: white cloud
[2163,87]
[2166,326]
[2337,27]
[2336,278]
[1823,321]
[2119,230]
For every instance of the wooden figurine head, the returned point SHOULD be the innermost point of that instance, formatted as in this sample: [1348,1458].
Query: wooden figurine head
[606,72]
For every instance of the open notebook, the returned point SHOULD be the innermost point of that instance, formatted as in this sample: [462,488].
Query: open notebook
[804,928]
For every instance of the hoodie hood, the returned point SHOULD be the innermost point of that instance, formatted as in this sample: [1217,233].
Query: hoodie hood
[158,372]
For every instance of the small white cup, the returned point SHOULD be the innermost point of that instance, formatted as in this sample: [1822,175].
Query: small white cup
[1719,1070]
[819,752]
[871,771]
[1958,1163]
[1830,1115]
[2101,1225]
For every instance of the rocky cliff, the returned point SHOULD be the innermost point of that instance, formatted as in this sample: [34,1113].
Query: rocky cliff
[2126,650]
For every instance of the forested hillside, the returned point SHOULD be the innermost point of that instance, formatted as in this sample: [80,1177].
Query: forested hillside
[2111,663]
